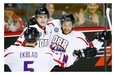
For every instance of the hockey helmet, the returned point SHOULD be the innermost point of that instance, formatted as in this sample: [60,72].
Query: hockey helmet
[31,34]
[41,11]
[67,17]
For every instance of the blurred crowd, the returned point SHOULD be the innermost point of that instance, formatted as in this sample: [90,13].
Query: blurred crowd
[85,14]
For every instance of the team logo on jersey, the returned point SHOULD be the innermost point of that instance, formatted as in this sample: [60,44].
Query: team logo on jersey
[60,41]
[56,29]
[55,47]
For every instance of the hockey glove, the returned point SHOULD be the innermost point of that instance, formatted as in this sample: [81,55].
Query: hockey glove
[104,35]
[90,52]
[87,53]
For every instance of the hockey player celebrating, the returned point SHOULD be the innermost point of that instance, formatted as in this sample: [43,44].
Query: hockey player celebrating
[66,45]
[40,22]
[29,58]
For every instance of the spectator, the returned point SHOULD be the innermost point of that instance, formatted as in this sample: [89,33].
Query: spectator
[78,15]
[90,16]
[12,21]
[51,10]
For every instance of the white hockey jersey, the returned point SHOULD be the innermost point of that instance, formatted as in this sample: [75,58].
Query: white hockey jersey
[43,40]
[95,43]
[28,59]
[64,45]
[55,26]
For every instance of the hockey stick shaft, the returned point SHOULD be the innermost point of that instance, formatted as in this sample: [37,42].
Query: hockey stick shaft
[108,17]
[105,41]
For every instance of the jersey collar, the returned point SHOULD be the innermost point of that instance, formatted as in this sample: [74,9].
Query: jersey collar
[43,28]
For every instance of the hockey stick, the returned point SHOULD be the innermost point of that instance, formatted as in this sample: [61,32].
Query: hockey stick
[108,17]
[105,41]
[106,11]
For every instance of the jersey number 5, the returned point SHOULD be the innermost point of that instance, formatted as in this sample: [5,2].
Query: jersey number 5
[26,64]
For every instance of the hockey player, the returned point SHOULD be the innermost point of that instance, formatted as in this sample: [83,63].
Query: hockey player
[64,43]
[40,22]
[29,58]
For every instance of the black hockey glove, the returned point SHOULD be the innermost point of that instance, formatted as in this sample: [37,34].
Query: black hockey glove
[87,53]
[90,52]
[104,35]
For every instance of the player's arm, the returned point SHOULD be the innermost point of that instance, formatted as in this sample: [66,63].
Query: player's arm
[8,55]
[20,41]
[98,41]
[100,37]
[55,25]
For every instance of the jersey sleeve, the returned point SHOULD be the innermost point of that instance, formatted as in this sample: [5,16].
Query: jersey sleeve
[54,24]
[97,44]
[20,41]
[8,55]
[78,34]
[94,43]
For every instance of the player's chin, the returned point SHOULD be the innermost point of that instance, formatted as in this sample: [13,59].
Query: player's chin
[66,33]
[43,24]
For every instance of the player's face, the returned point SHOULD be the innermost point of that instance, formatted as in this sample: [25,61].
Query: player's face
[42,20]
[92,7]
[67,27]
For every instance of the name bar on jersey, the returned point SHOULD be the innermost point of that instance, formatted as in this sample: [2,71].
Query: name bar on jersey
[28,54]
